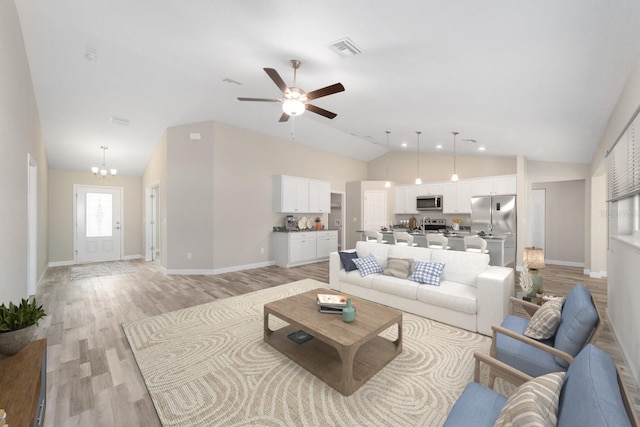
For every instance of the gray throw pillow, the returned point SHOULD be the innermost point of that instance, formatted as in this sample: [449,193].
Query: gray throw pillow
[545,321]
[398,267]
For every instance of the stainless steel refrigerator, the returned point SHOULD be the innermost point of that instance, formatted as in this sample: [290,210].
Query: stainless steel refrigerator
[496,216]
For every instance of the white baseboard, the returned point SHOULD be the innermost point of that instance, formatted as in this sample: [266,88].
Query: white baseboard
[596,274]
[72,262]
[565,263]
[214,271]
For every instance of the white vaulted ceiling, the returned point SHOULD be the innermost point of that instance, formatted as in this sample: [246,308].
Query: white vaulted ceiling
[538,78]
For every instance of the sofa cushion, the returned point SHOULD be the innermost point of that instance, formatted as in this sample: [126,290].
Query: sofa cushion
[521,356]
[367,265]
[427,272]
[477,404]
[378,250]
[545,320]
[590,394]
[462,267]
[395,286]
[579,317]
[451,295]
[346,259]
[354,278]
[415,253]
[398,267]
[535,403]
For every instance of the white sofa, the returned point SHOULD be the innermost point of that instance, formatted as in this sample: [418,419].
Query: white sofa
[472,295]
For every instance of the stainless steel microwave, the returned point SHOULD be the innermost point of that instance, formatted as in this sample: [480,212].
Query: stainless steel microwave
[429,203]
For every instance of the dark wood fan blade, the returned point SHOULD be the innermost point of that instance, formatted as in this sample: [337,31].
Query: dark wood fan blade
[329,90]
[259,99]
[276,79]
[284,117]
[321,111]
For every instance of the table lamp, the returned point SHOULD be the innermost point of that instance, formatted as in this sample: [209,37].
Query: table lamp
[533,260]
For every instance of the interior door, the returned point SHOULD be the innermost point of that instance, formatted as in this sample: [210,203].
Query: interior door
[98,232]
[375,210]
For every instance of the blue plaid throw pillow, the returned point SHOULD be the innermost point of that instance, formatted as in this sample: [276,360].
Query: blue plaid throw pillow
[427,272]
[367,265]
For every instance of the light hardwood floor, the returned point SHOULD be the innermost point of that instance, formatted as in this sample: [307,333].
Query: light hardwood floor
[92,377]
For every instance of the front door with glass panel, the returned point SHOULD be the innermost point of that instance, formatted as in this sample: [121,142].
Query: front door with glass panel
[98,232]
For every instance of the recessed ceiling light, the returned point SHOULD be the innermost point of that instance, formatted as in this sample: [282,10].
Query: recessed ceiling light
[439,146]
[404,145]
[481,148]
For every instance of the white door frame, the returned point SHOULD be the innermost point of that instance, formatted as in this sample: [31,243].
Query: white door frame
[343,218]
[75,216]
[32,220]
[148,255]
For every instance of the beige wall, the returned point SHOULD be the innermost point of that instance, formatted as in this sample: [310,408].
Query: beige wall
[155,174]
[219,193]
[565,222]
[20,134]
[61,212]
[623,258]
[436,167]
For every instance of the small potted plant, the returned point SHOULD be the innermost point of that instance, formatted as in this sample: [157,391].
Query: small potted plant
[318,223]
[18,325]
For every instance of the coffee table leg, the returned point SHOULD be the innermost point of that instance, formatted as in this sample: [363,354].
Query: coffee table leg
[267,331]
[347,358]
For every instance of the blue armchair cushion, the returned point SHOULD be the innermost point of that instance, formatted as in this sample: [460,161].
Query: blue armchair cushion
[521,356]
[579,317]
[477,405]
[591,395]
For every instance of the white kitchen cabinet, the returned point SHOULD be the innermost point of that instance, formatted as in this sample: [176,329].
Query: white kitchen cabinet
[434,189]
[494,186]
[304,247]
[319,196]
[326,242]
[293,194]
[456,198]
[406,199]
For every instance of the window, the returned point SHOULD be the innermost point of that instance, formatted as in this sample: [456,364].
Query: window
[99,215]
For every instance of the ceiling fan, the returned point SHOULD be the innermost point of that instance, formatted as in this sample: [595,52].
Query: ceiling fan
[295,100]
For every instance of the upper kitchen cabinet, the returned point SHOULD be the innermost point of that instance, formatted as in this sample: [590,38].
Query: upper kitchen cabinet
[456,197]
[494,186]
[293,194]
[435,189]
[319,196]
[406,199]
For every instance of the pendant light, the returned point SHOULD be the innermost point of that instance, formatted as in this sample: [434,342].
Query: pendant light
[418,180]
[103,172]
[388,183]
[454,177]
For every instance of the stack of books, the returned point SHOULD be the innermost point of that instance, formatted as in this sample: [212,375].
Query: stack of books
[329,303]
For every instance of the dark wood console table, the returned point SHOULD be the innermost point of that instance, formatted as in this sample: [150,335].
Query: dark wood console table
[23,385]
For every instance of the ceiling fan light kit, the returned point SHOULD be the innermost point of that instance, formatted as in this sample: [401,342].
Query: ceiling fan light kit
[295,100]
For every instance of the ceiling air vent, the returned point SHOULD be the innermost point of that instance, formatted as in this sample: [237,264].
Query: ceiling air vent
[345,47]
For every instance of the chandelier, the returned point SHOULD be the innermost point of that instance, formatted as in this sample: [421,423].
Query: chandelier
[102,171]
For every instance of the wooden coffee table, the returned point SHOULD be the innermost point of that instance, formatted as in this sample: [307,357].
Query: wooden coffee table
[343,355]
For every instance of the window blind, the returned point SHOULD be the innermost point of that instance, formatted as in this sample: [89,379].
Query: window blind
[623,163]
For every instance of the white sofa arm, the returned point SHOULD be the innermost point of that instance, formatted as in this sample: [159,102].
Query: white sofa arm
[495,287]
[335,265]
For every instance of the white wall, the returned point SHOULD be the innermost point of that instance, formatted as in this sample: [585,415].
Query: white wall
[20,133]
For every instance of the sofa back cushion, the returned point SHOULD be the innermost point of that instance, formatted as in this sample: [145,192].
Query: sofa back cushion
[415,253]
[578,319]
[461,267]
[379,250]
[590,394]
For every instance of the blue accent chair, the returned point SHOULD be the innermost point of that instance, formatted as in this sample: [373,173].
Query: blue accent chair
[592,395]
[579,322]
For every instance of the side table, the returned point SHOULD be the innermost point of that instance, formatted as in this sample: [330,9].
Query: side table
[23,385]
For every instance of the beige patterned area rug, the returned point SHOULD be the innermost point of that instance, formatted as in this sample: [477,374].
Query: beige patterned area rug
[87,271]
[208,365]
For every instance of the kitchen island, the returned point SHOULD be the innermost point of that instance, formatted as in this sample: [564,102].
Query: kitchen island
[498,253]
